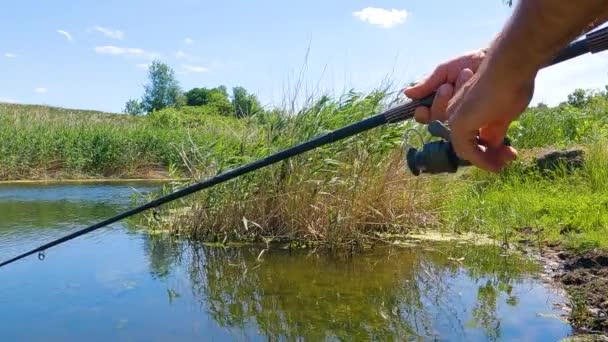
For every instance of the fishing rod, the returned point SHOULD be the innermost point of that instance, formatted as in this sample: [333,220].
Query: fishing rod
[437,159]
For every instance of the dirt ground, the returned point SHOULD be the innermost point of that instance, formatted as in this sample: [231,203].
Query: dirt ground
[585,278]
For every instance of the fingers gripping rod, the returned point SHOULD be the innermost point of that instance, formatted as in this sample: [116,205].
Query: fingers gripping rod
[439,156]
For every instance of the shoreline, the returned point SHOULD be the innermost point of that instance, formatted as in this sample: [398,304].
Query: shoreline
[58,181]
[584,279]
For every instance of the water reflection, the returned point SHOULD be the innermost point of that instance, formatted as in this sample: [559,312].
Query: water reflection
[435,291]
[163,255]
[121,284]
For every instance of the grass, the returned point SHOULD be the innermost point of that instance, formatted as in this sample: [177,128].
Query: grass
[341,194]
[569,207]
[353,192]
[41,142]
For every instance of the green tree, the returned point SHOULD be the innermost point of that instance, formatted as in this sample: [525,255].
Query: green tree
[133,107]
[220,101]
[216,98]
[244,104]
[197,97]
[162,90]
[578,98]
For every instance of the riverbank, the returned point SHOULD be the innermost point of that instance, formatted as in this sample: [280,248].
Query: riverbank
[584,276]
[41,142]
[59,181]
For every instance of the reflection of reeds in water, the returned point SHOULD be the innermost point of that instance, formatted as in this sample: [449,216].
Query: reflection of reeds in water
[385,295]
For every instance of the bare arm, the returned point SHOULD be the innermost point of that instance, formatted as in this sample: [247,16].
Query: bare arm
[537,31]
[490,93]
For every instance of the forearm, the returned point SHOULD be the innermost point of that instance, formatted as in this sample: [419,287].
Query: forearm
[535,34]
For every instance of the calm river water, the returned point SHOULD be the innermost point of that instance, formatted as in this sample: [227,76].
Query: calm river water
[120,284]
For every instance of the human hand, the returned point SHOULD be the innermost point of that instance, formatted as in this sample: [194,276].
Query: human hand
[480,113]
[445,80]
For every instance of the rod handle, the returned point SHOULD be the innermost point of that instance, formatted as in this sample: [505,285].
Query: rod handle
[597,41]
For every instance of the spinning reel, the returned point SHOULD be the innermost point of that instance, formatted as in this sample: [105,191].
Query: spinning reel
[437,156]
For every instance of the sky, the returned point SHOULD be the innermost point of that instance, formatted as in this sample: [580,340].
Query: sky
[93,54]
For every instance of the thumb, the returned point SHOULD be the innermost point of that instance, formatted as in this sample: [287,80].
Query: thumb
[429,84]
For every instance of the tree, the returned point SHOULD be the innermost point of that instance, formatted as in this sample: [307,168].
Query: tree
[244,104]
[162,90]
[197,96]
[578,98]
[219,100]
[133,107]
[215,97]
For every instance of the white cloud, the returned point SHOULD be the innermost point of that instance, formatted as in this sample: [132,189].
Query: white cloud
[194,68]
[10,55]
[144,66]
[114,34]
[6,100]
[381,17]
[131,52]
[40,90]
[66,34]
[189,41]
[181,54]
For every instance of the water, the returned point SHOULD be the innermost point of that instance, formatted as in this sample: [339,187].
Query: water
[120,284]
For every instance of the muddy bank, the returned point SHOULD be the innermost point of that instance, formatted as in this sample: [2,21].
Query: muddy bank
[585,277]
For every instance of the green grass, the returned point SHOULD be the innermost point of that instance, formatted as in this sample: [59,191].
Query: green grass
[348,192]
[47,142]
[341,194]
[521,203]
[563,207]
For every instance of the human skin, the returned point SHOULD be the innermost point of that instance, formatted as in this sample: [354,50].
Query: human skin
[480,93]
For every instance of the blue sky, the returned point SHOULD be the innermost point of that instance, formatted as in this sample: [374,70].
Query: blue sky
[92,54]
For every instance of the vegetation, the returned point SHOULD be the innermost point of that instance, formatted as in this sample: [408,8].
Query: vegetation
[522,202]
[353,192]
[163,91]
[562,205]
[40,142]
[134,107]
[358,192]
[244,104]
[335,194]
